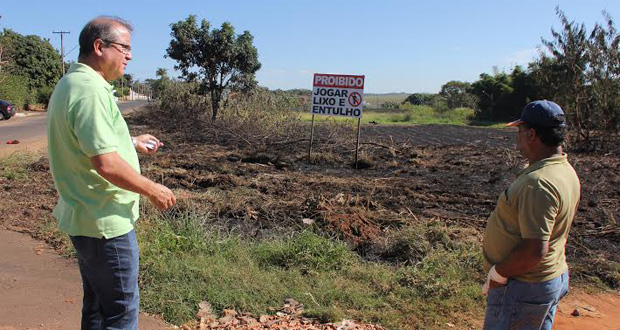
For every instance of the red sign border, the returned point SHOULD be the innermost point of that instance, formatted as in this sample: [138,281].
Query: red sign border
[314,84]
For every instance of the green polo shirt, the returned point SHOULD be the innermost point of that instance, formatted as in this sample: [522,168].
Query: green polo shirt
[83,121]
[540,204]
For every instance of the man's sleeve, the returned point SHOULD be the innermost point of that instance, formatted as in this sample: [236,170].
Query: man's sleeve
[538,208]
[93,126]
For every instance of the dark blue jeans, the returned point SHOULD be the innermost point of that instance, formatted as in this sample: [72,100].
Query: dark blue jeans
[109,269]
[524,306]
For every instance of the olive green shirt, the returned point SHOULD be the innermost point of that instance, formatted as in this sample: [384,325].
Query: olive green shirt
[540,204]
[84,121]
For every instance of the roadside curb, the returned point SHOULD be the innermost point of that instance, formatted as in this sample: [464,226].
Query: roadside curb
[27,114]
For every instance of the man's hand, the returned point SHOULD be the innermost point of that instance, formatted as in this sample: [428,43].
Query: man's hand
[162,197]
[495,285]
[494,281]
[114,169]
[142,141]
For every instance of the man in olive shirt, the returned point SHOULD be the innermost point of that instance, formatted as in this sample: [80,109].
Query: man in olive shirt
[95,168]
[525,237]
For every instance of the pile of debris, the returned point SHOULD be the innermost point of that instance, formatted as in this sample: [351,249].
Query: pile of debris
[287,317]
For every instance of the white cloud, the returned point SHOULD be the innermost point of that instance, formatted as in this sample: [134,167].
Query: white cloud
[522,57]
[274,72]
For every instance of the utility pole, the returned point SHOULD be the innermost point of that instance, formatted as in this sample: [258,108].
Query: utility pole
[62,49]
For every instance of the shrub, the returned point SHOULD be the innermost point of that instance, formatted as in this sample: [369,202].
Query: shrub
[305,251]
[181,107]
[43,95]
[15,90]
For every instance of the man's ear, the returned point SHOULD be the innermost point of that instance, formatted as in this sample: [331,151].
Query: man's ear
[98,46]
[531,134]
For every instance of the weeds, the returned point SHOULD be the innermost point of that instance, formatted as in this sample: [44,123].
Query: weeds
[15,166]
[184,262]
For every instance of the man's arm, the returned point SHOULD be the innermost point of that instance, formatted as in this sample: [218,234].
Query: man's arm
[114,169]
[525,257]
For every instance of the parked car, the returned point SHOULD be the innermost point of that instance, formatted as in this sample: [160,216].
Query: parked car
[7,110]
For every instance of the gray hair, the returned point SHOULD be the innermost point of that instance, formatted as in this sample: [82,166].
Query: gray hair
[101,27]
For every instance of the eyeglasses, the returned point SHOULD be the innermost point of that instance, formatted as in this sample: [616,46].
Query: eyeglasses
[125,49]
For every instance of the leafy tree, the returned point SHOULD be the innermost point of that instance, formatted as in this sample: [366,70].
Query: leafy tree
[32,57]
[603,76]
[456,93]
[122,85]
[14,89]
[389,105]
[420,99]
[569,59]
[217,59]
[493,92]
[159,86]
[3,62]
[582,73]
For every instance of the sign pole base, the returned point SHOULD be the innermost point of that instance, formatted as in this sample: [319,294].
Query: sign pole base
[357,144]
[311,140]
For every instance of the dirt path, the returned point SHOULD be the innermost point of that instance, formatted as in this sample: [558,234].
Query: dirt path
[34,144]
[40,289]
[597,312]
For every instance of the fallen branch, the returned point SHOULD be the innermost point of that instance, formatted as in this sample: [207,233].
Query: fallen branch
[380,145]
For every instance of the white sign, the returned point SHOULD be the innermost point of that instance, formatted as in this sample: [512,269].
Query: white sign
[337,95]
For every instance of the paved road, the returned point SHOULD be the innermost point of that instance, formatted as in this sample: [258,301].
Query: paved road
[32,127]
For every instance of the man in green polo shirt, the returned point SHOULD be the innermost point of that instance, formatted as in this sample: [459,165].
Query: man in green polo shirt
[525,238]
[95,168]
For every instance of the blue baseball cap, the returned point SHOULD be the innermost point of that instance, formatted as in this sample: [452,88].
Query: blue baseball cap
[541,113]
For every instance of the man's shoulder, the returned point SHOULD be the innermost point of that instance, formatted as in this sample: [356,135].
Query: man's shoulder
[78,85]
[554,181]
[80,79]
[553,173]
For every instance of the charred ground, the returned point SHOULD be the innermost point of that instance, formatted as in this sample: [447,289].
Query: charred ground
[257,184]
[447,173]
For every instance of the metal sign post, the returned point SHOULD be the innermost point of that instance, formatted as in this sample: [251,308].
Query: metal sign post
[357,144]
[311,138]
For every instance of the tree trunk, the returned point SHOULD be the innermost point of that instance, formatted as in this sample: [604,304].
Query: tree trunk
[215,104]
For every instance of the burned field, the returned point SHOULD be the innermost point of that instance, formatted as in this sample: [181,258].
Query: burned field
[414,174]
[420,198]
[431,173]
[417,174]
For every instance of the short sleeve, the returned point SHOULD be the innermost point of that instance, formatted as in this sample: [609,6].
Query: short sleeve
[93,126]
[538,209]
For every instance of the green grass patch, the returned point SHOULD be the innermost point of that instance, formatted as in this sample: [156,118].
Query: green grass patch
[49,232]
[15,165]
[410,115]
[376,100]
[184,263]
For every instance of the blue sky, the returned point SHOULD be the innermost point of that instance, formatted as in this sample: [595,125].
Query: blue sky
[400,46]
